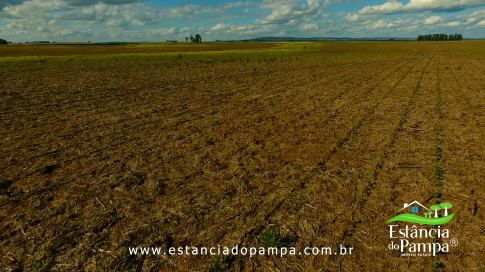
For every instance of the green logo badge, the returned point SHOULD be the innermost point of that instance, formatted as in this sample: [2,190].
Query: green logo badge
[422,215]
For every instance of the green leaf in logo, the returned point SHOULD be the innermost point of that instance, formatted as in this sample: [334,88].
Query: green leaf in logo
[408,217]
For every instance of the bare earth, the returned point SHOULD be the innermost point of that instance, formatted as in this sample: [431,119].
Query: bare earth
[319,142]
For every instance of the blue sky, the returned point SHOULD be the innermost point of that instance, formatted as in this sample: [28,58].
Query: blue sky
[160,20]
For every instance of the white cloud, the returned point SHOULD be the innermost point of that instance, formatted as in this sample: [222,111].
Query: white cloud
[386,8]
[243,28]
[92,2]
[433,20]
[161,31]
[412,28]
[4,3]
[395,6]
[309,27]
[454,23]
[191,10]
[113,18]
[380,24]
[353,17]
[283,11]
[219,26]
[32,8]
[140,20]
[229,29]
[479,13]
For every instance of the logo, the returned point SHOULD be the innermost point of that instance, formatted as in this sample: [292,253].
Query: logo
[430,216]
[427,240]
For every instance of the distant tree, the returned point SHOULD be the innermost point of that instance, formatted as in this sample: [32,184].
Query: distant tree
[186,39]
[2,41]
[198,38]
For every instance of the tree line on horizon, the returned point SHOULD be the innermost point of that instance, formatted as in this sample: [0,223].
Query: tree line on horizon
[440,37]
[2,41]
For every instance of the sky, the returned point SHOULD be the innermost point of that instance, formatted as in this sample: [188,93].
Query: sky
[161,20]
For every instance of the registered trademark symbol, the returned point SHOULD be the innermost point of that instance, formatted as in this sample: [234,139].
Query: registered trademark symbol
[454,242]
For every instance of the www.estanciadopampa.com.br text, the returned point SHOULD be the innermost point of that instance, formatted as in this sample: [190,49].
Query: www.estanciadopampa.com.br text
[241,251]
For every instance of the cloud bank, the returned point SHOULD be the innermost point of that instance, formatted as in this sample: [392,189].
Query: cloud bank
[136,20]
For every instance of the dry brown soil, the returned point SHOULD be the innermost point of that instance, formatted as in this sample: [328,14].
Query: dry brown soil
[323,147]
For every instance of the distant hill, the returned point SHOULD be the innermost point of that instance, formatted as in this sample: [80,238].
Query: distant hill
[316,39]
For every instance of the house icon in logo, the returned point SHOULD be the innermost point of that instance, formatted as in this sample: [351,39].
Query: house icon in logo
[414,207]
[416,212]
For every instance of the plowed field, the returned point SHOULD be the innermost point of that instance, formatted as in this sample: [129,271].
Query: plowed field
[306,145]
